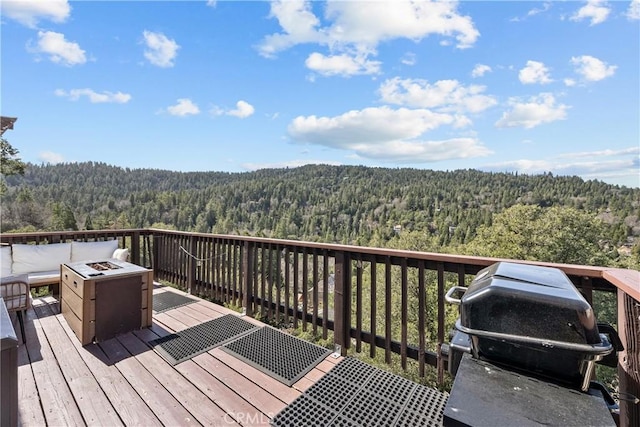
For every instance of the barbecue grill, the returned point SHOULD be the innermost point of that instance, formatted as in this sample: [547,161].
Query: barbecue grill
[533,321]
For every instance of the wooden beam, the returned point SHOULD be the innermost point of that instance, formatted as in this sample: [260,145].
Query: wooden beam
[629,359]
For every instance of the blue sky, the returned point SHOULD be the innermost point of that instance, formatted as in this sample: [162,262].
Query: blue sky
[236,86]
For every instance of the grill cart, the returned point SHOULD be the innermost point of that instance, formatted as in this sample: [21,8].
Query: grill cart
[527,338]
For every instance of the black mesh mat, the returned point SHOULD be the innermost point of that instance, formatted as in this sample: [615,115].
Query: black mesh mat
[167,300]
[190,342]
[277,354]
[354,393]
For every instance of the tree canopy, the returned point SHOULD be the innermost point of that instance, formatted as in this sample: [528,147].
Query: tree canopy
[10,163]
[556,234]
[442,211]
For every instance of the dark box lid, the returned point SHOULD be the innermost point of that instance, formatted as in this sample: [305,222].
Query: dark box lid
[513,300]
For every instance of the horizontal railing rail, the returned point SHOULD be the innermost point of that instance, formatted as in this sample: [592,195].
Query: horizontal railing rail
[389,303]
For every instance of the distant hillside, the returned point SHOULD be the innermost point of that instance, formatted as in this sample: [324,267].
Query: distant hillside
[348,204]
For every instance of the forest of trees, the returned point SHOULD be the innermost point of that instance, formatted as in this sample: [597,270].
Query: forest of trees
[561,219]
[539,217]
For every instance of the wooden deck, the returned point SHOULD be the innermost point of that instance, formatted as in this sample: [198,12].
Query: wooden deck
[123,381]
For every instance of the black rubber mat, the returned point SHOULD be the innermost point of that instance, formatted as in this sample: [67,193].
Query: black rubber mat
[167,300]
[354,393]
[190,342]
[277,354]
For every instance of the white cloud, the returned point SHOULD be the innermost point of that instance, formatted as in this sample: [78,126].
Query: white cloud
[596,164]
[161,50]
[409,58]
[443,95]
[357,30]
[50,157]
[417,151]
[386,20]
[287,164]
[605,153]
[211,3]
[95,97]
[363,126]
[534,72]
[480,70]
[545,7]
[533,12]
[592,69]
[243,110]
[343,64]
[522,165]
[59,49]
[633,13]
[184,107]
[386,134]
[538,110]
[595,10]
[29,13]
[298,23]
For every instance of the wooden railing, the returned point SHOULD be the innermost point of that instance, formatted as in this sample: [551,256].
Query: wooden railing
[387,302]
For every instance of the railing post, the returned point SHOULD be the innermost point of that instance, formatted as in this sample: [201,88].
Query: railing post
[156,255]
[421,318]
[439,360]
[247,276]
[192,265]
[135,247]
[629,359]
[404,298]
[342,303]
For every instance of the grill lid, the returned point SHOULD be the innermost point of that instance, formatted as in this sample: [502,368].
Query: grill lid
[524,302]
[544,276]
[531,318]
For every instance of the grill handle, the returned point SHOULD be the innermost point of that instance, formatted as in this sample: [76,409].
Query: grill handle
[608,333]
[455,289]
[594,352]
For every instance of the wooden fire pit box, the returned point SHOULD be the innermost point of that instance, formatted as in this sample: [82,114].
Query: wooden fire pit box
[101,300]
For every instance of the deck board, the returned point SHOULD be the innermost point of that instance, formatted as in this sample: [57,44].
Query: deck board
[96,410]
[278,389]
[123,381]
[57,401]
[235,407]
[202,408]
[199,313]
[163,404]
[253,393]
[131,408]
[182,316]
[30,413]
[169,323]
